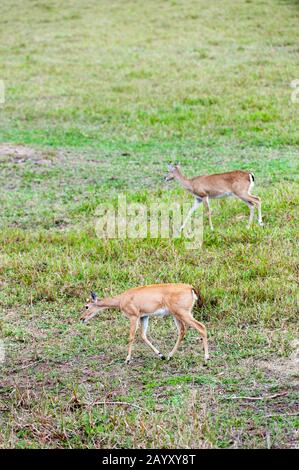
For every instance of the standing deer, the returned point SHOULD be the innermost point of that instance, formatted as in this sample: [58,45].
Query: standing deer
[234,183]
[140,303]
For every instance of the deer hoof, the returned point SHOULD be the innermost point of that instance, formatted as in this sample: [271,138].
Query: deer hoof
[161,356]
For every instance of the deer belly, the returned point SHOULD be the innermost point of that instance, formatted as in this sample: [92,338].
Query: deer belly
[217,196]
[161,312]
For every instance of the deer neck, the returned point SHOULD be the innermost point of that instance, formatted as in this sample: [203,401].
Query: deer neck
[109,302]
[185,182]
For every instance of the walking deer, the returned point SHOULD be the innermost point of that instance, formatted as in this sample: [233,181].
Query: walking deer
[234,183]
[141,303]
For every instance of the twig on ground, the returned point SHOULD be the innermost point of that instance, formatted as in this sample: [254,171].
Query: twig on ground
[266,397]
[280,414]
[32,364]
[124,403]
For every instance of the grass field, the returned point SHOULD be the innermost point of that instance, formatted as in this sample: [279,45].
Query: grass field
[99,96]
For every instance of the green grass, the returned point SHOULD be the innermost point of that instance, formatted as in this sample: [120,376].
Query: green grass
[162,71]
[101,97]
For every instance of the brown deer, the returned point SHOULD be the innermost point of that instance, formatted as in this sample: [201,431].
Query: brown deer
[141,303]
[234,183]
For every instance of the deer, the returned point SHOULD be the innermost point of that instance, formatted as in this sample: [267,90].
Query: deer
[236,183]
[139,304]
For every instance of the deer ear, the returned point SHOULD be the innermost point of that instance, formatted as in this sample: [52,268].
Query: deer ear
[178,165]
[170,167]
[93,296]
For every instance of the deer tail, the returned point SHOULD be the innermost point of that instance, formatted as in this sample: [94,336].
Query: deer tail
[199,298]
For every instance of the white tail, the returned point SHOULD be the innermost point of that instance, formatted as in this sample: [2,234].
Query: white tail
[141,303]
[234,183]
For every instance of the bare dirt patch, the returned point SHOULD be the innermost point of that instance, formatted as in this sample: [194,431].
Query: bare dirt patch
[287,369]
[18,153]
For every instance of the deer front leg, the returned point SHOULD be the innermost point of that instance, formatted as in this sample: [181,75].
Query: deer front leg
[144,326]
[206,203]
[133,328]
[196,204]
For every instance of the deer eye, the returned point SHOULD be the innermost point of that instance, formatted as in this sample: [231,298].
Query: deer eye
[86,307]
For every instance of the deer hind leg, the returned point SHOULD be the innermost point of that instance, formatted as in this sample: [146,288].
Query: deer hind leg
[259,208]
[185,316]
[251,215]
[206,203]
[143,327]
[251,202]
[181,327]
